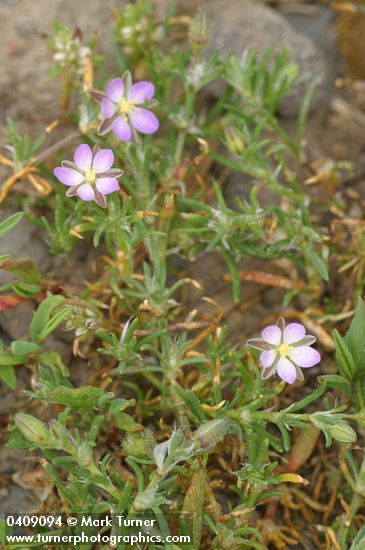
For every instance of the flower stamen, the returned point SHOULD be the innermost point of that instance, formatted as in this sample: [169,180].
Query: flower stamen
[90,175]
[128,107]
[284,350]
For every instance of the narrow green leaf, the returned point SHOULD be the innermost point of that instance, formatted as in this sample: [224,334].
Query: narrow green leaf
[26,290]
[304,111]
[236,283]
[192,403]
[359,540]
[118,405]
[53,323]
[8,224]
[7,359]
[317,263]
[25,270]
[335,381]
[42,315]
[307,400]
[7,375]
[4,531]
[86,397]
[125,422]
[4,258]
[355,337]
[345,360]
[192,511]
[23,348]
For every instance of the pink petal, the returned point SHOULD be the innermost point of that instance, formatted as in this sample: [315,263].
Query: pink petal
[141,91]
[68,176]
[286,370]
[305,356]
[103,160]
[83,157]
[107,185]
[107,107]
[144,121]
[86,192]
[122,129]
[267,358]
[293,333]
[272,334]
[115,89]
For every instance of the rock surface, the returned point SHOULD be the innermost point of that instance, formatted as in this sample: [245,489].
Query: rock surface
[26,92]
[241,24]
[23,241]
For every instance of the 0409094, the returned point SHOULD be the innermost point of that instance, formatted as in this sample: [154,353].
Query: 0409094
[32,521]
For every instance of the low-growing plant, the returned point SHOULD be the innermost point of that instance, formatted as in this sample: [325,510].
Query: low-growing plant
[179,420]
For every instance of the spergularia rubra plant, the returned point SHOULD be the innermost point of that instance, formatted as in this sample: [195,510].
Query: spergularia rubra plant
[285,350]
[91,175]
[121,107]
[149,394]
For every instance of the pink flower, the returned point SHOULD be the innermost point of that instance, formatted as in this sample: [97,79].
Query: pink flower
[91,176]
[285,350]
[121,108]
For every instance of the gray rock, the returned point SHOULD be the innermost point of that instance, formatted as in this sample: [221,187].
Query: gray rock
[318,24]
[248,25]
[239,25]
[26,92]
[23,242]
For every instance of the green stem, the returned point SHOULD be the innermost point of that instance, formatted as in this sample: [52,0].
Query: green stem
[105,485]
[357,501]
[241,415]
[268,396]
[156,477]
[154,381]
[189,110]
[180,142]
[55,147]
[122,243]
[141,175]
[359,394]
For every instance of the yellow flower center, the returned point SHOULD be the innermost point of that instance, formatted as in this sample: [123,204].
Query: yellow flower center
[284,350]
[90,175]
[127,107]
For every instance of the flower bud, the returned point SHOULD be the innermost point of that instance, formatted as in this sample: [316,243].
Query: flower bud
[212,432]
[342,432]
[55,429]
[245,417]
[199,32]
[145,500]
[360,418]
[139,444]
[33,429]
[234,141]
[85,455]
